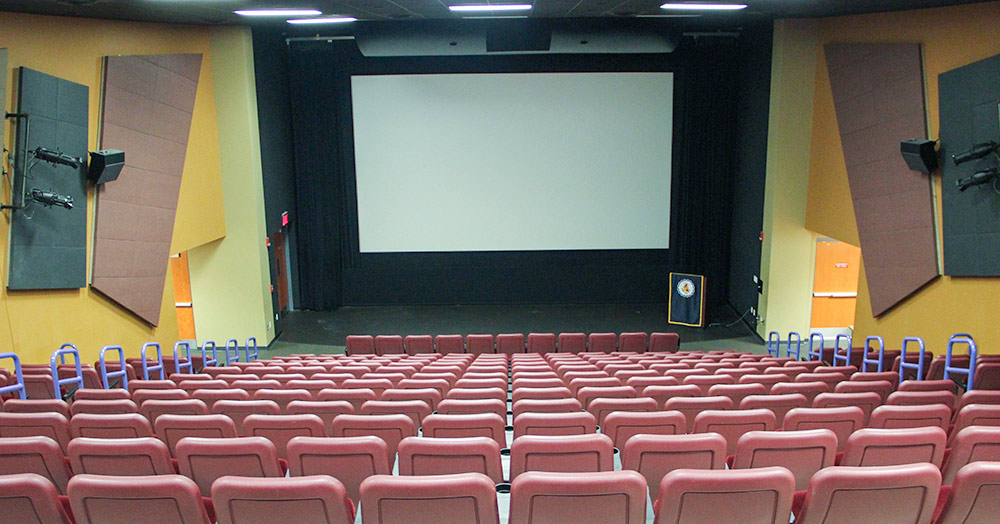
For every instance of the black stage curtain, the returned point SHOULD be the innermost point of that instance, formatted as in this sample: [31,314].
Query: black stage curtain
[333,272]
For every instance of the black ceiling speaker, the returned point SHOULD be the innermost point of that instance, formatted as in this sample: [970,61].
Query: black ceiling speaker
[105,165]
[919,154]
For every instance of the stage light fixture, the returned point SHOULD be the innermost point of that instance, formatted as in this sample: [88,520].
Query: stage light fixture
[323,20]
[978,151]
[703,7]
[474,8]
[278,12]
[978,178]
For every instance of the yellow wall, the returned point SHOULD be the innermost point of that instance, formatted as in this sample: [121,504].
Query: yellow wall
[34,323]
[788,249]
[230,278]
[951,37]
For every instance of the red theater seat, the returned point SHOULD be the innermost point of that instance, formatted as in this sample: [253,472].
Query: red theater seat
[100,499]
[903,494]
[442,456]
[130,425]
[744,495]
[609,497]
[125,457]
[206,459]
[888,447]
[572,453]
[172,428]
[28,498]
[390,428]
[801,452]
[489,425]
[467,498]
[895,417]
[317,499]
[972,444]
[360,345]
[43,405]
[349,459]
[389,345]
[39,455]
[576,423]
[622,425]
[279,429]
[653,456]
[974,497]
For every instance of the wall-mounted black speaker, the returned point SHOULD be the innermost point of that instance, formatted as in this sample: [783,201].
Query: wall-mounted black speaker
[105,165]
[919,154]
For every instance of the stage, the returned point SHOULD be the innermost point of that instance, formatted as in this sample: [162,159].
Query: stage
[325,331]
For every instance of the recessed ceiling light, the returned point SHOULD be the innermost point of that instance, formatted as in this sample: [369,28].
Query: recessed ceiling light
[323,20]
[278,12]
[488,7]
[704,7]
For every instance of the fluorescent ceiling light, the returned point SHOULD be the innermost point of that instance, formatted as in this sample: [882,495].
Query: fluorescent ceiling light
[488,7]
[278,12]
[323,20]
[704,7]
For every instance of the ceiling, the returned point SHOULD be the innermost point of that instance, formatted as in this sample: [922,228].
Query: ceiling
[221,11]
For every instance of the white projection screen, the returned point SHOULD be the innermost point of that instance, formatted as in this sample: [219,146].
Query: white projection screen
[513,162]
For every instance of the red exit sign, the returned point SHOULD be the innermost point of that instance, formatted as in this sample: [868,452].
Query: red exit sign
[840,265]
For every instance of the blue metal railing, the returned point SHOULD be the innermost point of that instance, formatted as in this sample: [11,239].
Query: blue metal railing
[231,346]
[904,365]
[970,372]
[818,352]
[798,345]
[868,348]
[122,372]
[60,354]
[146,368]
[846,357]
[19,386]
[180,366]
[214,361]
[774,343]
[251,356]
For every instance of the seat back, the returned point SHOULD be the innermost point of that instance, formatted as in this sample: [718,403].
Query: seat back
[733,424]
[355,396]
[40,405]
[349,459]
[622,425]
[577,423]
[888,447]
[317,499]
[52,425]
[664,393]
[390,428]
[867,401]
[122,457]
[172,428]
[842,421]
[903,494]
[653,456]
[910,416]
[974,496]
[971,444]
[920,398]
[360,345]
[467,498]
[29,498]
[602,407]
[882,387]
[279,429]
[612,497]
[389,344]
[779,404]
[206,459]
[99,499]
[129,425]
[415,409]
[530,405]
[489,425]
[572,453]
[104,407]
[761,495]
[415,344]
[442,456]
[39,455]
[692,406]
[602,342]
[239,410]
[151,409]
[326,410]
[976,415]
[801,452]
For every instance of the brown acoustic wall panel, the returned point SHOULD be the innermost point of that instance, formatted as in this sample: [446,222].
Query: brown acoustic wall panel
[148,103]
[879,98]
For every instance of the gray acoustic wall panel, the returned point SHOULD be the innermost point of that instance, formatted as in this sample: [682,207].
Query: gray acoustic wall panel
[971,219]
[148,105]
[878,93]
[48,245]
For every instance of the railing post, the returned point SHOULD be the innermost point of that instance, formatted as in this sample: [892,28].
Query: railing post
[122,371]
[774,343]
[178,365]
[970,373]
[846,357]
[251,356]
[57,383]
[816,353]
[904,365]
[159,360]
[18,376]
[881,353]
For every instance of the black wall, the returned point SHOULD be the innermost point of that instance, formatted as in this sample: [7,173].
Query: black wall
[276,146]
[717,111]
[751,161]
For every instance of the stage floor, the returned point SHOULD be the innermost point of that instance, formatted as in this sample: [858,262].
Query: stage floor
[325,331]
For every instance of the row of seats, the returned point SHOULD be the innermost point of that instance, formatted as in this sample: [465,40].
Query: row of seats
[899,494]
[511,343]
